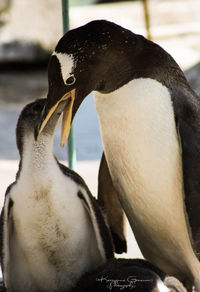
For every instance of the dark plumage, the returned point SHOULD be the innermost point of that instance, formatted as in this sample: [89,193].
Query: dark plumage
[128,275]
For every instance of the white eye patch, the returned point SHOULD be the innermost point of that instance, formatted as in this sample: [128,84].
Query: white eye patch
[67,63]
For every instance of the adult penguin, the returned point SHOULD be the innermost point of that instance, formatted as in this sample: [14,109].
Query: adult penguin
[52,229]
[150,126]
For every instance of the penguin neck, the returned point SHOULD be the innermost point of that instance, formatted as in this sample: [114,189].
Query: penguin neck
[37,156]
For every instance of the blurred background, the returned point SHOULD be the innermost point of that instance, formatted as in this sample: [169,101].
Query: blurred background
[29,31]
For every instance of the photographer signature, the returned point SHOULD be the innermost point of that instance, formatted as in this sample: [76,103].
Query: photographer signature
[122,284]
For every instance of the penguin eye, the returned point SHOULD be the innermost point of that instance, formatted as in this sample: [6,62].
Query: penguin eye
[70,80]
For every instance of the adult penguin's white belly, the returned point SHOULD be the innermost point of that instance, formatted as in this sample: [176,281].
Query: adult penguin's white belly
[144,157]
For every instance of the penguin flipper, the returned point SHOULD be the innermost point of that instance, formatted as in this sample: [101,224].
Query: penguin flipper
[108,200]
[102,231]
[99,223]
[6,225]
[1,236]
[190,142]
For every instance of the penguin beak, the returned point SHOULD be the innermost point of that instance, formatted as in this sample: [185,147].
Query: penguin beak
[69,97]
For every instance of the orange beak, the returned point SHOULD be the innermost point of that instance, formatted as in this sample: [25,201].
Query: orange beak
[67,116]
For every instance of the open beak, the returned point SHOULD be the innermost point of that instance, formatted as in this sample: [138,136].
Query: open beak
[67,116]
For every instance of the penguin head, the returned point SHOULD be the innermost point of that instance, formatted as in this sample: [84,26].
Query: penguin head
[95,56]
[28,121]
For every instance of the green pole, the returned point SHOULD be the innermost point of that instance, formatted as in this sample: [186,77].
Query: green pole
[65,15]
[71,143]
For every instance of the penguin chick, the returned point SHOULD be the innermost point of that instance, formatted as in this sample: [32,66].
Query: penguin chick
[52,230]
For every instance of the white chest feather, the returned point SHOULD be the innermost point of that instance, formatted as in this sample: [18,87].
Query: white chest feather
[54,241]
[139,137]
[144,157]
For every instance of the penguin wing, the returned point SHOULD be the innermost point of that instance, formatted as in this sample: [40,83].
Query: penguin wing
[98,220]
[6,225]
[187,114]
[100,226]
[190,141]
[108,200]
